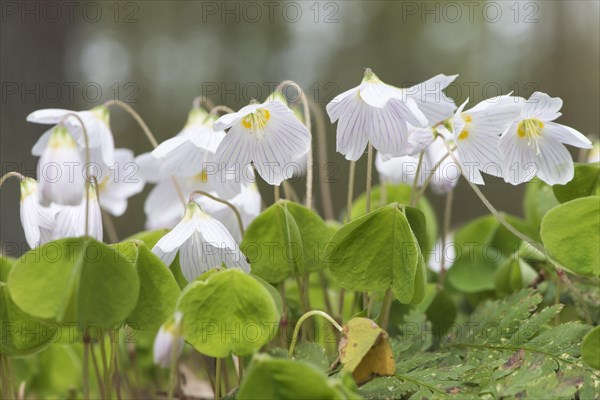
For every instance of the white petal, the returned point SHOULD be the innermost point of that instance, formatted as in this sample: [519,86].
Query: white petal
[351,138]
[336,106]
[555,165]
[431,100]
[48,116]
[215,234]
[163,205]
[70,220]
[168,146]
[541,106]
[387,129]
[286,140]
[447,174]
[519,160]
[567,135]
[29,221]
[228,120]
[149,167]
[175,238]
[42,143]
[235,151]
[377,94]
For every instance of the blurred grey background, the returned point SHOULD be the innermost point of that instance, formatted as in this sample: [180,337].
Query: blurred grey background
[159,55]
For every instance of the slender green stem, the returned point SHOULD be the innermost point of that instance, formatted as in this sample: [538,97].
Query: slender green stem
[324,187]
[110,227]
[302,319]
[385,309]
[7,392]
[491,208]
[369,175]
[350,191]
[173,375]
[289,192]
[101,386]
[445,234]
[413,190]
[240,369]
[86,366]
[137,117]
[105,366]
[221,108]
[228,204]
[430,178]
[218,378]
[199,100]
[282,333]
[147,132]
[276,193]
[11,174]
[326,299]
[308,124]
[341,301]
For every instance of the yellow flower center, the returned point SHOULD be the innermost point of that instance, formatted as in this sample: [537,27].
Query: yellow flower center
[465,132]
[463,135]
[201,177]
[61,138]
[530,128]
[257,120]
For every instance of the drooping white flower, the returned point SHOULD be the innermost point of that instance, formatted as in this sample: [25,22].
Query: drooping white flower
[97,126]
[193,149]
[381,114]
[120,182]
[476,133]
[269,135]
[202,242]
[71,220]
[168,343]
[534,144]
[60,170]
[248,203]
[38,221]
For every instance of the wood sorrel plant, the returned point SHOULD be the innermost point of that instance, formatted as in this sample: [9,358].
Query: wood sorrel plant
[498,307]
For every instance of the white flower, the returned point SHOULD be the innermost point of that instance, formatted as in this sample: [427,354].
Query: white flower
[120,182]
[70,220]
[168,343]
[38,221]
[378,113]
[202,242]
[60,170]
[533,144]
[476,133]
[269,135]
[96,122]
[248,203]
[192,149]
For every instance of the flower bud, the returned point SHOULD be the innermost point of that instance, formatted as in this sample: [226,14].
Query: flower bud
[168,343]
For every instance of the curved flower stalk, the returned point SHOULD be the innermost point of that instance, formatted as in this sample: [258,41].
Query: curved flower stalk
[60,169]
[534,144]
[268,135]
[38,221]
[168,343]
[97,125]
[476,133]
[118,183]
[203,243]
[71,221]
